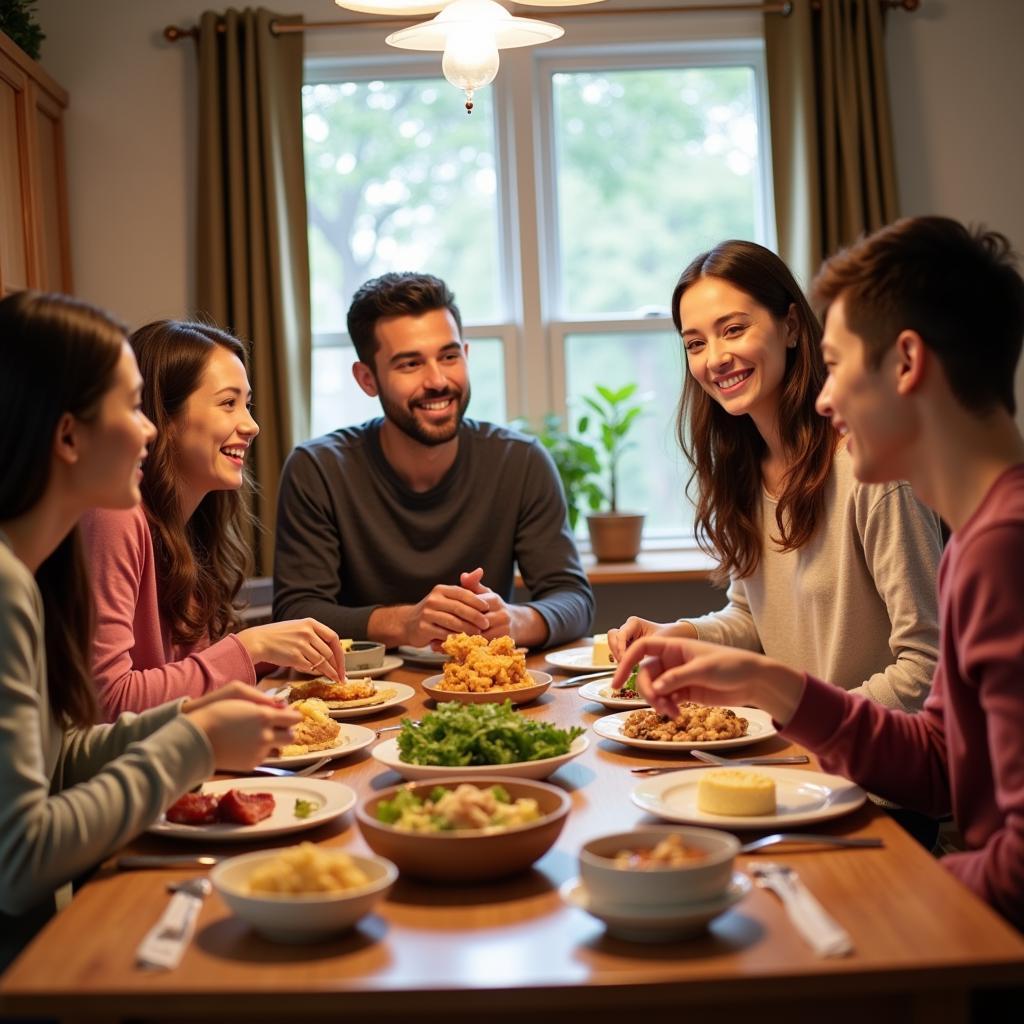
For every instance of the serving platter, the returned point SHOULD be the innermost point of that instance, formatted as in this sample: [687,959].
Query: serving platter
[518,695]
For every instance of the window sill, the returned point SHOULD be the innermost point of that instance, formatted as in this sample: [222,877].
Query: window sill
[676,565]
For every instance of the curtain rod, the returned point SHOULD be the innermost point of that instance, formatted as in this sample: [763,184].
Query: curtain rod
[172,33]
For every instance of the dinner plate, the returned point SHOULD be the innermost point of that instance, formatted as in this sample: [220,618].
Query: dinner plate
[387,754]
[350,739]
[423,655]
[592,691]
[330,800]
[576,659]
[519,695]
[802,798]
[389,664]
[759,727]
[657,924]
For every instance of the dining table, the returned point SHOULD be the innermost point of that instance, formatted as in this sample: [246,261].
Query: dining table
[924,947]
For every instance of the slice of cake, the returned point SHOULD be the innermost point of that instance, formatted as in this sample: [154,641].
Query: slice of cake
[736,792]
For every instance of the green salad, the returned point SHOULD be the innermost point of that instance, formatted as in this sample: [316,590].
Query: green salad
[480,734]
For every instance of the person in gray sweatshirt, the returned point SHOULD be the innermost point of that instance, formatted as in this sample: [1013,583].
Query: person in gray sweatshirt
[408,528]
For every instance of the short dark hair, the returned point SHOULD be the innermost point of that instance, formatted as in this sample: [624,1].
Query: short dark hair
[405,294]
[959,288]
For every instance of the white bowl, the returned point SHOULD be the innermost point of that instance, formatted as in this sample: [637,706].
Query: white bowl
[305,917]
[692,882]
[364,654]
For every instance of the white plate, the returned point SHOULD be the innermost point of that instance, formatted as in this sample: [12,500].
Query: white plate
[658,924]
[389,664]
[331,800]
[423,655]
[576,659]
[760,727]
[387,754]
[521,695]
[350,739]
[802,798]
[592,691]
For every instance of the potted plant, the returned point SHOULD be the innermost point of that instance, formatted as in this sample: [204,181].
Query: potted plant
[590,471]
[614,535]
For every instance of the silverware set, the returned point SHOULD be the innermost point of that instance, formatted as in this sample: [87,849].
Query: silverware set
[706,758]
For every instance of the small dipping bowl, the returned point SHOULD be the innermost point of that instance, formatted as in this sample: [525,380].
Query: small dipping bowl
[692,882]
[364,654]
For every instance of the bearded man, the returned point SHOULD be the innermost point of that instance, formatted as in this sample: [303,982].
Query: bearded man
[409,527]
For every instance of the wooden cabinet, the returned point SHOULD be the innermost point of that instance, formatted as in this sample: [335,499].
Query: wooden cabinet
[34,244]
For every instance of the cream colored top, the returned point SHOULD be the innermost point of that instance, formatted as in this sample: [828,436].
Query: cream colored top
[855,606]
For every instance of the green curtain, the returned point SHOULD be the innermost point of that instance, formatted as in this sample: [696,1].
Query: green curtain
[252,256]
[832,151]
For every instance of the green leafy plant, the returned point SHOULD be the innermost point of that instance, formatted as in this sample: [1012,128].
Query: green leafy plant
[17,21]
[613,417]
[589,470]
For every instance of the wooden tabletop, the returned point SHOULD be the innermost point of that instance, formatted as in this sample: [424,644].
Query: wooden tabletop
[509,949]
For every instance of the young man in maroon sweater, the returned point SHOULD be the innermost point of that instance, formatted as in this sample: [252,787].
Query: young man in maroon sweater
[923,331]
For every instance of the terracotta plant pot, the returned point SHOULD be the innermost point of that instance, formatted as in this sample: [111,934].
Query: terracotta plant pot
[615,536]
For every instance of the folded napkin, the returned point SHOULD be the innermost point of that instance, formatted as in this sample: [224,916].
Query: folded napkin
[165,943]
[822,933]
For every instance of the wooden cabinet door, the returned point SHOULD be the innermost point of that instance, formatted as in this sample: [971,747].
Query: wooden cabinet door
[16,228]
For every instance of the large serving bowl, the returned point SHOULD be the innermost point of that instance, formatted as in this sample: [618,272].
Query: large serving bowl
[692,882]
[364,654]
[467,855]
[539,682]
[306,917]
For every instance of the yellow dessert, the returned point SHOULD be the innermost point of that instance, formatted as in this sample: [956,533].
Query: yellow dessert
[602,656]
[735,791]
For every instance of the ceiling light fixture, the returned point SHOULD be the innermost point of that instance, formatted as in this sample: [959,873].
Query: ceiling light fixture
[469,32]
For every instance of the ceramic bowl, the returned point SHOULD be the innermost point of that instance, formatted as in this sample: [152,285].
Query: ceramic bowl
[467,855]
[693,882]
[539,682]
[306,917]
[364,654]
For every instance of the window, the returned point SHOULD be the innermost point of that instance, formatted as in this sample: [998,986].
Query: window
[561,213]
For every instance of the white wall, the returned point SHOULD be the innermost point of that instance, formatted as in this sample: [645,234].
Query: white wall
[955,76]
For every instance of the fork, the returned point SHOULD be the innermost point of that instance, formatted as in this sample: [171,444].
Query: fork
[706,759]
[865,842]
[310,769]
[563,684]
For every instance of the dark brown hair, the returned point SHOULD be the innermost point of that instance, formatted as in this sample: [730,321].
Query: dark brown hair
[726,451]
[958,288]
[59,356]
[405,294]
[202,563]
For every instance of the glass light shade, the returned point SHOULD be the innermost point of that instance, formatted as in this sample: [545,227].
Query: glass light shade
[470,16]
[400,7]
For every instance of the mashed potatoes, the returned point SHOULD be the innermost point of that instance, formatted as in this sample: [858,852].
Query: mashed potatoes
[307,869]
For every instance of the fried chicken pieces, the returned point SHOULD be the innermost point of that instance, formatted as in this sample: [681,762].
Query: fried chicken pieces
[479,665]
[316,731]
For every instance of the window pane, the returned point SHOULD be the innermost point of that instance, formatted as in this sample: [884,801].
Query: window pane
[652,475]
[338,401]
[652,166]
[394,182]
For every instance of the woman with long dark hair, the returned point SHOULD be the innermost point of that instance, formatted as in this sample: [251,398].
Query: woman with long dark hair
[73,436]
[825,573]
[167,574]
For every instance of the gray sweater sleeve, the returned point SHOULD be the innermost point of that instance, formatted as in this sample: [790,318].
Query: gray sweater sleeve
[546,554]
[108,783]
[307,552]
[733,625]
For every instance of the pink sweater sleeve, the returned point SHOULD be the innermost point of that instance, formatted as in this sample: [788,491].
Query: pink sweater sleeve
[134,663]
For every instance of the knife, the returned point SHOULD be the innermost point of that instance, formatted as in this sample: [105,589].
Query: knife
[160,860]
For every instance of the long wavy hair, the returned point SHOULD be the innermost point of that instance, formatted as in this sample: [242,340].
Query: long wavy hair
[726,451]
[201,564]
[59,356]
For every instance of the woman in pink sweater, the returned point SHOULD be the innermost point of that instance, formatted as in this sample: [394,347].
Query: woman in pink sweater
[166,575]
